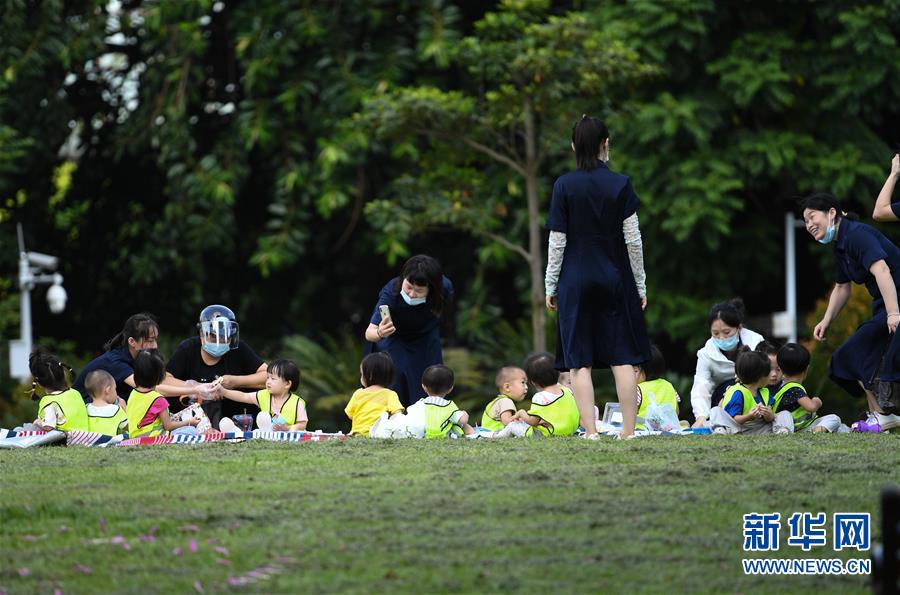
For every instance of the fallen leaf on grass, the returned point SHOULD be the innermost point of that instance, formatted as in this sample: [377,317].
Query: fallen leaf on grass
[193,546]
[33,537]
[177,551]
[198,587]
[190,528]
[102,524]
[221,549]
[223,561]
[82,569]
[23,572]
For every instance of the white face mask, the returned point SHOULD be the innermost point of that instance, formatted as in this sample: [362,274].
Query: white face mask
[412,301]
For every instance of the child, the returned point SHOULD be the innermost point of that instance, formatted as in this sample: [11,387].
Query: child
[105,415]
[376,373]
[148,411]
[553,411]
[60,407]
[747,407]
[281,409]
[442,417]
[652,387]
[793,359]
[776,378]
[513,386]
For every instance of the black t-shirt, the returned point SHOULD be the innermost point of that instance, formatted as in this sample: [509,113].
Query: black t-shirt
[118,363]
[187,364]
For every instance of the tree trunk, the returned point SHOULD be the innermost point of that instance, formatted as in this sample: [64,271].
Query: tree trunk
[535,260]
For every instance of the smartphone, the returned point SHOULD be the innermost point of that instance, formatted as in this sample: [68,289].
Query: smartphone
[385,311]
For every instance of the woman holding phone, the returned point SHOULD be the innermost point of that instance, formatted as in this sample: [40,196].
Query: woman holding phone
[406,323]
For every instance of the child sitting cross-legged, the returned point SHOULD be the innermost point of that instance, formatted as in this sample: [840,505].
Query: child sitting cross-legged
[748,407]
[61,407]
[281,409]
[442,417]
[105,413]
[512,385]
[793,359]
[376,373]
[147,410]
[553,410]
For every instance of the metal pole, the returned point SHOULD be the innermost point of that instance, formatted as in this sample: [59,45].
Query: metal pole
[790,271]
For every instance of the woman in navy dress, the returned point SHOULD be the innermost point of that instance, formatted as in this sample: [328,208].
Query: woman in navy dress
[862,255]
[595,275]
[411,334]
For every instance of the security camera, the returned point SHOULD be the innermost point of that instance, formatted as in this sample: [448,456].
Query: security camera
[44,261]
[57,297]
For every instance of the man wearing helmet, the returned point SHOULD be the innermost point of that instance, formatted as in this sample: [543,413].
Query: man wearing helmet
[218,353]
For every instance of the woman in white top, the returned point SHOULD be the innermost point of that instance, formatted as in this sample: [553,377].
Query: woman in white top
[715,362]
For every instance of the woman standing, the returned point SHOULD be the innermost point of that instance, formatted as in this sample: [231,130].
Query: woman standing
[862,255]
[595,275]
[410,333]
[715,362]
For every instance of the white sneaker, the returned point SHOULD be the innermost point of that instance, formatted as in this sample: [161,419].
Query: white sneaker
[720,430]
[781,431]
[887,421]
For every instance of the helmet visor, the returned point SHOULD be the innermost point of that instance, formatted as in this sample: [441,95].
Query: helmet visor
[221,331]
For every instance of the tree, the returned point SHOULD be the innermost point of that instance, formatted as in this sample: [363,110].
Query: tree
[469,152]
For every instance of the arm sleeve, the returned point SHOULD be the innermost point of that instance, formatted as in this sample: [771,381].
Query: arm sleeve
[558,218]
[895,207]
[635,248]
[301,413]
[555,252]
[701,391]
[177,365]
[350,409]
[630,200]
[867,248]
[393,403]
[249,361]
[735,405]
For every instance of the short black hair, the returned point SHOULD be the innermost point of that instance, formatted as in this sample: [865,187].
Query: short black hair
[539,367]
[655,367]
[751,366]
[377,369]
[766,347]
[97,381]
[425,271]
[438,380]
[505,374]
[730,312]
[286,370]
[149,368]
[793,359]
[48,370]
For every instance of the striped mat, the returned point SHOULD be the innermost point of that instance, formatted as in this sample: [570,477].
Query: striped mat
[79,438]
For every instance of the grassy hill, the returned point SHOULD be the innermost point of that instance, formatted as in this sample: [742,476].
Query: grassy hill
[649,515]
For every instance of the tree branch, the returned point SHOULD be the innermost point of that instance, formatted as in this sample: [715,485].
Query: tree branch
[496,155]
[505,243]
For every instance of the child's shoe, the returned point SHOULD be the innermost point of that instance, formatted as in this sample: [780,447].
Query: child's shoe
[887,421]
[870,425]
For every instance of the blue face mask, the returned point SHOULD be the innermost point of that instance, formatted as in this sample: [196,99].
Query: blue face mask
[727,344]
[216,349]
[829,235]
[412,301]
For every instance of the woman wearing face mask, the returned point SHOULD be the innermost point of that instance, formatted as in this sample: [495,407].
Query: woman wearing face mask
[715,362]
[217,353]
[416,301]
[862,255]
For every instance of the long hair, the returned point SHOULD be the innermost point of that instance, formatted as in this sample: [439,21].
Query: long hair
[424,270]
[587,136]
[138,326]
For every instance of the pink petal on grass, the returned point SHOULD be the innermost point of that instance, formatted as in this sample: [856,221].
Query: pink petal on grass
[198,587]
[82,569]
[212,540]
[23,572]
[147,538]
[233,580]
[177,551]
[193,546]
[221,549]
[223,561]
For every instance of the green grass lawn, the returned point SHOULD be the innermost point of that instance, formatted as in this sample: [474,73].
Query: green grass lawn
[648,515]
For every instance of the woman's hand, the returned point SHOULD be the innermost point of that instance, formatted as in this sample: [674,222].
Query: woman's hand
[551,302]
[386,328]
[895,166]
[820,330]
[644,303]
[892,321]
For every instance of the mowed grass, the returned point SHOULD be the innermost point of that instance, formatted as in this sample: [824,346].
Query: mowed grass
[648,515]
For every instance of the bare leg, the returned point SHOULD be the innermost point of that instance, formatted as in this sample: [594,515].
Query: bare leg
[626,389]
[583,387]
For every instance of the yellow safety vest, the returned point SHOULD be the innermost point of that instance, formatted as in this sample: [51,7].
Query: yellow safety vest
[749,399]
[802,417]
[561,413]
[488,422]
[73,408]
[112,425]
[288,410]
[138,405]
[438,414]
[662,392]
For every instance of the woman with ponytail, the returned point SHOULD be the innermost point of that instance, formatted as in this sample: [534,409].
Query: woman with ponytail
[865,256]
[595,275]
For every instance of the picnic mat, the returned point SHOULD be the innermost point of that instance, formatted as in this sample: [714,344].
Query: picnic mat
[27,439]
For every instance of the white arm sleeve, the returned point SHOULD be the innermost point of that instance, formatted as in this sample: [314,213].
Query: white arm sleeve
[557,247]
[701,391]
[635,253]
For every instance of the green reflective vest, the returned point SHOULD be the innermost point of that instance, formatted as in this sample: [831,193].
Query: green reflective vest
[288,410]
[802,417]
[561,413]
[138,405]
[73,408]
[659,390]
[112,425]
[749,398]
[488,422]
[438,417]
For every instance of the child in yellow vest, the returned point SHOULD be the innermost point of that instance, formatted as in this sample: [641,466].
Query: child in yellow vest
[512,385]
[553,410]
[281,409]
[653,388]
[376,373]
[60,407]
[442,416]
[148,411]
[748,407]
[105,414]
[793,360]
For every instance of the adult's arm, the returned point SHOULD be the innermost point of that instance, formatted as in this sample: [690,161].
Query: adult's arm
[254,380]
[556,249]
[882,273]
[379,327]
[635,247]
[884,210]
[701,390]
[239,396]
[836,301]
